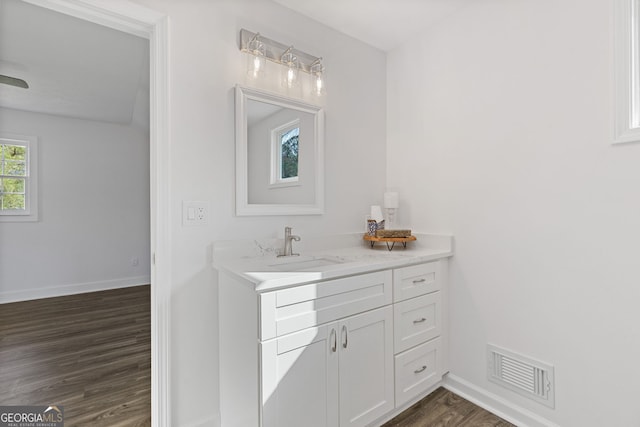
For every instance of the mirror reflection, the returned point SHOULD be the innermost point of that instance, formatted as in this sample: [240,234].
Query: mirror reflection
[279,155]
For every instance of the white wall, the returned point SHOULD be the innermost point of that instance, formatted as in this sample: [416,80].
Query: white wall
[499,131]
[93,210]
[205,66]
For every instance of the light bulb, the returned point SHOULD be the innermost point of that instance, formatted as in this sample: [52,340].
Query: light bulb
[291,77]
[319,86]
[317,75]
[256,60]
[288,59]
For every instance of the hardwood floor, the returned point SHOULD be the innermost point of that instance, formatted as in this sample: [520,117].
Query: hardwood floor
[442,408]
[90,353]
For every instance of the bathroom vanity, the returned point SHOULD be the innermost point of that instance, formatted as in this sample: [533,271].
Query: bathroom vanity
[346,336]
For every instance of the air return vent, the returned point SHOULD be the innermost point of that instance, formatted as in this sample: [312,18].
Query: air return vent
[523,375]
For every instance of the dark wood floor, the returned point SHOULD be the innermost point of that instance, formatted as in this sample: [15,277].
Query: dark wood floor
[442,408]
[90,353]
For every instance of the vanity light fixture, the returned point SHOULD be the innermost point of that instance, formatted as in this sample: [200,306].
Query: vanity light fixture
[256,60]
[259,49]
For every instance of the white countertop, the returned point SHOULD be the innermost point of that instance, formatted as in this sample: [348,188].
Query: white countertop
[256,262]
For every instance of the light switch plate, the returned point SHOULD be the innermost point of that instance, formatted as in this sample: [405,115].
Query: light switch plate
[195,213]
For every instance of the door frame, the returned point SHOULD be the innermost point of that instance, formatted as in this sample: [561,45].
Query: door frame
[123,15]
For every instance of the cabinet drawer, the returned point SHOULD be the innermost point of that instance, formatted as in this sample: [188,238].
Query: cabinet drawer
[417,370]
[416,280]
[417,320]
[300,307]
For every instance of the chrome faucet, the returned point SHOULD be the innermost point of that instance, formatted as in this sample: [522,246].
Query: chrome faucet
[288,246]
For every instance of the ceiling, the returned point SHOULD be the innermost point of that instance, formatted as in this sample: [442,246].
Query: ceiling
[380,23]
[74,68]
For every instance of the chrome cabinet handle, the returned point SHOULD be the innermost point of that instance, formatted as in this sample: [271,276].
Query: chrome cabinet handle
[333,337]
[345,340]
[420,320]
[420,280]
[417,371]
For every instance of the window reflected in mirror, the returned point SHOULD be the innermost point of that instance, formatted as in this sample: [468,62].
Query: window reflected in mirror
[280,150]
[288,155]
[284,154]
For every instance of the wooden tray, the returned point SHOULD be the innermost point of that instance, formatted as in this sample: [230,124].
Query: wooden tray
[390,241]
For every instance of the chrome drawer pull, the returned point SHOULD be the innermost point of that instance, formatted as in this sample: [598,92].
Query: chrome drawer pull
[345,333]
[417,371]
[420,280]
[419,321]
[334,338]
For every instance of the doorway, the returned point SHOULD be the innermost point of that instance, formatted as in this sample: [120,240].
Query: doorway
[138,20]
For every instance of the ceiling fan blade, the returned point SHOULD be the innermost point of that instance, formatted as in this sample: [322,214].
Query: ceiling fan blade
[12,81]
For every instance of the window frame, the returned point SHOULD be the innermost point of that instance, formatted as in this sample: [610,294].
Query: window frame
[30,213]
[276,180]
[626,71]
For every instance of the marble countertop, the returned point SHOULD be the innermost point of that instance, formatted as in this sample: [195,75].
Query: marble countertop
[324,258]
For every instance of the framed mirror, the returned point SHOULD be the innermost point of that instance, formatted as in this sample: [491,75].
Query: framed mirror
[279,155]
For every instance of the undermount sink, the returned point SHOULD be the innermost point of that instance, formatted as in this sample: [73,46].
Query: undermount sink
[303,263]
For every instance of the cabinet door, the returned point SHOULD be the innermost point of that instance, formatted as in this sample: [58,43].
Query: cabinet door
[366,367]
[299,375]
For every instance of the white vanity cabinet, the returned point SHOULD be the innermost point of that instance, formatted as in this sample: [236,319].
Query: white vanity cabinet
[338,374]
[318,354]
[344,352]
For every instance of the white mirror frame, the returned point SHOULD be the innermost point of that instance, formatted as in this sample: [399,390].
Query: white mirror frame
[243,207]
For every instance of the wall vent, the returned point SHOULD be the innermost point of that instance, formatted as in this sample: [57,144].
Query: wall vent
[523,375]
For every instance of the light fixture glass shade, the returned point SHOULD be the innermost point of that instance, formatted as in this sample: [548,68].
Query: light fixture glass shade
[290,76]
[317,78]
[256,58]
[292,62]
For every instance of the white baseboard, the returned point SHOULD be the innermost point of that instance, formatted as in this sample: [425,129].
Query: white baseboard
[495,404]
[76,288]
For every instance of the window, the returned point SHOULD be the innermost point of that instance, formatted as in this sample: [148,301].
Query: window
[289,153]
[18,181]
[284,154]
[627,71]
